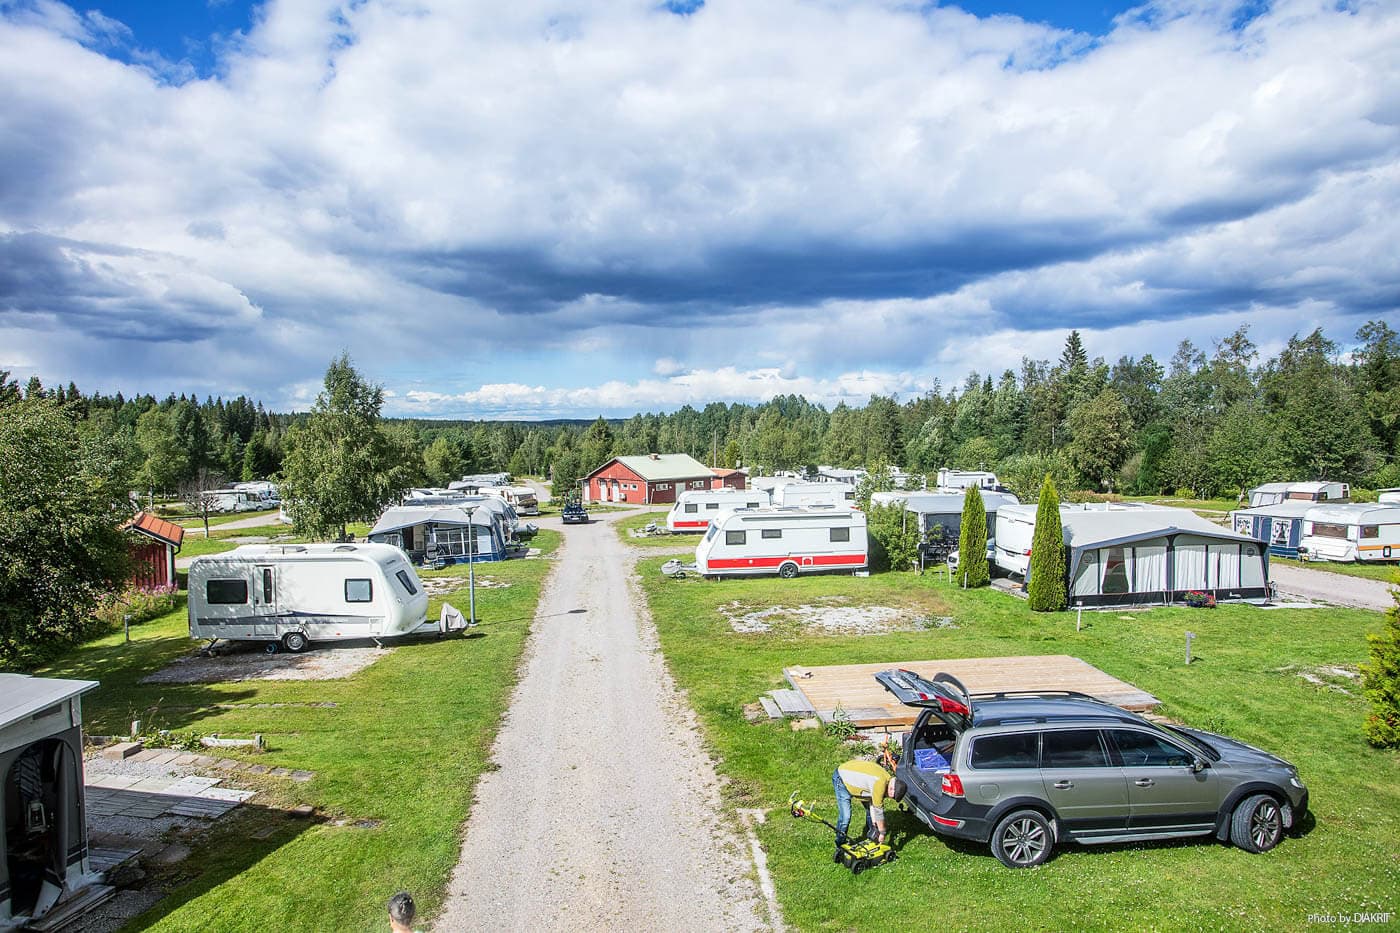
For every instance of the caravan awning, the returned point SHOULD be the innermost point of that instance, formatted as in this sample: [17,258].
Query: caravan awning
[22,696]
[409,516]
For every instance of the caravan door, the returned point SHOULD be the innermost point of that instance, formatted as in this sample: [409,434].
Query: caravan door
[265,600]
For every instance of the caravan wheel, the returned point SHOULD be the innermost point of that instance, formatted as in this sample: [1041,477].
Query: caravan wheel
[788,571]
[294,642]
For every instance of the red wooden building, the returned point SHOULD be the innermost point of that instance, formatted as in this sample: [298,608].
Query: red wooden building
[646,479]
[154,542]
[729,479]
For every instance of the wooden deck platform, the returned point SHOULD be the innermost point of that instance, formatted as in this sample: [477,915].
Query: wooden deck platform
[853,686]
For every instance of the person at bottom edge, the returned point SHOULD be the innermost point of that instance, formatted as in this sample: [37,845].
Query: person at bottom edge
[871,785]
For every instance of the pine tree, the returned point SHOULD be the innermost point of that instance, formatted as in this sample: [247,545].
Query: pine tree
[1381,680]
[972,541]
[1046,584]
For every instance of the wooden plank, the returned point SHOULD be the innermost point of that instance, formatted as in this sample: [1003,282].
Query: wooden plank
[853,686]
[792,702]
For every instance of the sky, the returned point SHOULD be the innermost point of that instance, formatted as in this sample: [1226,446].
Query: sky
[560,208]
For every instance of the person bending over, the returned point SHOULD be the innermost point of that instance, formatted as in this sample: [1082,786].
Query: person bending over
[870,784]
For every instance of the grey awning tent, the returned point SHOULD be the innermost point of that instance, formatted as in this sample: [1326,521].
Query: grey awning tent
[1133,556]
[438,534]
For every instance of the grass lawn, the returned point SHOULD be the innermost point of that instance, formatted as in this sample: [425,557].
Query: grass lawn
[1386,573]
[194,521]
[403,746]
[640,520]
[1219,506]
[1244,683]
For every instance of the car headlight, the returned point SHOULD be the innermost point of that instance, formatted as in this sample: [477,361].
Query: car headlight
[1293,779]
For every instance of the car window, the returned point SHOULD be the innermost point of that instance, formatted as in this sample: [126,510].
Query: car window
[1016,750]
[1073,748]
[1142,749]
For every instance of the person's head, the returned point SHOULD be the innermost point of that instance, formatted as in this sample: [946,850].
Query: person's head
[897,789]
[401,912]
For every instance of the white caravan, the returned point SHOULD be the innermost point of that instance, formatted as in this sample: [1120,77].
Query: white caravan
[522,498]
[785,541]
[264,492]
[1274,493]
[1388,496]
[1015,527]
[1362,531]
[694,509]
[829,494]
[234,500]
[307,592]
[954,480]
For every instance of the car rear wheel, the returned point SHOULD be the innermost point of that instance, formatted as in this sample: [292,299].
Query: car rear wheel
[787,571]
[1257,824]
[1023,839]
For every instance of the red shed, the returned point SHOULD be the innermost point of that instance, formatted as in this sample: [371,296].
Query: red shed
[728,479]
[154,544]
[646,479]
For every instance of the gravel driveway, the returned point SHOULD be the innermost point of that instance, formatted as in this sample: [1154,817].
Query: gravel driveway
[1338,589]
[605,811]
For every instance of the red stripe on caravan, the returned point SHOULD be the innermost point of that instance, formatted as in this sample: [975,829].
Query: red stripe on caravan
[691,524]
[821,560]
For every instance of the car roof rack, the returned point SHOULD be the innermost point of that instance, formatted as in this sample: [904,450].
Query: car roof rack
[1032,694]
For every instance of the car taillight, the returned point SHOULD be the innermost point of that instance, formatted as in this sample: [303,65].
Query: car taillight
[952,706]
[952,785]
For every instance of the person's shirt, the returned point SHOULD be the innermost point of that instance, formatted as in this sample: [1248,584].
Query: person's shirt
[865,779]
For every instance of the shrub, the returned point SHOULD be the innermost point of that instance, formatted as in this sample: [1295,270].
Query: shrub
[894,537]
[1380,680]
[142,603]
[1198,600]
[972,541]
[1046,585]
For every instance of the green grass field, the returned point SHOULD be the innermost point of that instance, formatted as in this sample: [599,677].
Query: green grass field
[194,521]
[636,522]
[1246,683]
[399,753]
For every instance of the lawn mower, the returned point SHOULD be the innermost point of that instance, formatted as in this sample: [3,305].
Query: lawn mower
[857,855]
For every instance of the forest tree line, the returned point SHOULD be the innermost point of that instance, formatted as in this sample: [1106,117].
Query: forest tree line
[1208,422]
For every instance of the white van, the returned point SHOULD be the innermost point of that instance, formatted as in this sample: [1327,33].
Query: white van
[694,509]
[799,494]
[786,541]
[1357,531]
[294,594]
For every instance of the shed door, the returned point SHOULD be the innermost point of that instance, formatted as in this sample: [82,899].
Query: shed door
[265,600]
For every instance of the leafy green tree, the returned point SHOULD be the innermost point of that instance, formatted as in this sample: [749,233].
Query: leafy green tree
[894,536]
[165,461]
[63,499]
[598,443]
[567,472]
[972,541]
[1046,585]
[1322,431]
[442,463]
[341,465]
[731,455]
[1380,679]
[1102,435]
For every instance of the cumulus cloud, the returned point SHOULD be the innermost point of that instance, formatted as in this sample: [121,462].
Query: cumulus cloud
[748,196]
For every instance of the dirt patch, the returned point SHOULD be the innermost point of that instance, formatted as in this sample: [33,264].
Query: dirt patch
[446,586]
[1338,678]
[831,615]
[251,662]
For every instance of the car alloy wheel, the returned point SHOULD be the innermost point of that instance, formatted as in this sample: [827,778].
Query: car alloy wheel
[1022,840]
[1265,826]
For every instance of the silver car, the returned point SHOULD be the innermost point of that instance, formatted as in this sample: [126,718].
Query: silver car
[1025,771]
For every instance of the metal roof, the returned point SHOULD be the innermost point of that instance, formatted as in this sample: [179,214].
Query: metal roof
[22,695]
[1091,529]
[663,467]
[1288,508]
[158,528]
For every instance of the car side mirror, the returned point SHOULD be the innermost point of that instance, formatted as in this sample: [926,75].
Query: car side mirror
[1199,765]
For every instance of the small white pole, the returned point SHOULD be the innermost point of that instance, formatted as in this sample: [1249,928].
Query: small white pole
[126,627]
[1079,614]
[1189,636]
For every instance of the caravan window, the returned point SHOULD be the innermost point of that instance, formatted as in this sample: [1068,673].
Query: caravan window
[709,535]
[751,505]
[735,537]
[407,582]
[690,508]
[711,506]
[1370,531]
[226,592]
[359,591]
[772,532]
[268,595]
[840,534]
[1329,530]
[1115,571]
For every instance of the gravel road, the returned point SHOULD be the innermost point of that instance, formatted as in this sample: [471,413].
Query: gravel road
[605,811]
[1336,588]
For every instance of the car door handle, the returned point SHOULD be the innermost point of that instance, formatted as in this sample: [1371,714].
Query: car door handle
[1063,785]
[1144,782]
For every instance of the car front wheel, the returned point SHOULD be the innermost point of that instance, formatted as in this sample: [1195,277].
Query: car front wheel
[1023,839]
[1257,824]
